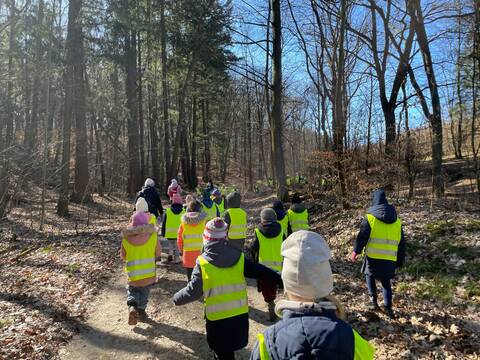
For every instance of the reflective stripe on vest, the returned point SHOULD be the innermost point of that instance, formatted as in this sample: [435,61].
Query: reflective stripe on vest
[270,250]
[384,239]
[211,212]
[298,221]
[238,223]
[363,349]
[193,237]
[284,224]
[173,223]
[262,347]
[140,259]
[224,290]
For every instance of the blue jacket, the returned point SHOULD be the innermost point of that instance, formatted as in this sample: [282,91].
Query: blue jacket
[308,334]
[383,211]
[229,334]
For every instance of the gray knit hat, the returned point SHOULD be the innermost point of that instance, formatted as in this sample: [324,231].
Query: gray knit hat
[268,215]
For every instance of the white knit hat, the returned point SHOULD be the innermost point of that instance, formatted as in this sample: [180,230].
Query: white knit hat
[306,268]
[215,230]
[149,183]
[141,205]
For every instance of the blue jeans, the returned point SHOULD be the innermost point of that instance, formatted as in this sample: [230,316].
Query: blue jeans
[138,296]
[387,290]
[172,247]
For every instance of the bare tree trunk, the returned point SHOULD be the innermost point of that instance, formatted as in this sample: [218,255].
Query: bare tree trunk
[459,142]
[140,106]
[193,161]
[206,141]
[476,66]
[369,126]
[166,127]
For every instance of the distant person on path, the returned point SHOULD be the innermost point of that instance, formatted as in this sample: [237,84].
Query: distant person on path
[142,206]
[219,277]
[282,217]
[189,238]
[236,219]
[219,200]
[151,196]
[140,247]
[312,325]
[383,243]
[173,188]
[208,206]
[297,215]
[170,225]
[266,250]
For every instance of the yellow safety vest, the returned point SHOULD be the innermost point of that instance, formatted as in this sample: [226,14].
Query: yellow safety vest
[221,207]
[140,259]
[284,224]
[173,223]
[152,220]
[238,223]
[211,212]
[224,290]
[363,350]
[193,237]
[270,250]
[298,221]
[384,239]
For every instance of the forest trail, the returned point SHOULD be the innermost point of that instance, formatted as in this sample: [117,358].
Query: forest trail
[172,332]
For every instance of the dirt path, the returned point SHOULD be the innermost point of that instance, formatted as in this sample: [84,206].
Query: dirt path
[173,332]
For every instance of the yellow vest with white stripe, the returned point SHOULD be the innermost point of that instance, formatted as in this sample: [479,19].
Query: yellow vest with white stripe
[221,207]
[224,289]
[211,212]
[384,239]
[284,224]
[140,259]
[298,221]
[173,223]
[193,237]
[238,223]
[270,250]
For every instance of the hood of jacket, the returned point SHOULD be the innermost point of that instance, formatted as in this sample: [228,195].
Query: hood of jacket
[270,229]
[194,218]
[381,209]
[234,200]
[139,235]
[221,253]
[279,209]
[176,208]
[298,208]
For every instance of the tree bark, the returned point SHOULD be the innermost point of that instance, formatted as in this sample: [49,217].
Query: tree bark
[166,125]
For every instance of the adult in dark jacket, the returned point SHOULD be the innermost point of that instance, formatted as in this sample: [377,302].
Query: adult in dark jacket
[225,335]
[151,196]
[373,267]
[311,325]
[271,231]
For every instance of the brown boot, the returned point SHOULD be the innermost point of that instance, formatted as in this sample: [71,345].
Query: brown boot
[142,315]
[132,316]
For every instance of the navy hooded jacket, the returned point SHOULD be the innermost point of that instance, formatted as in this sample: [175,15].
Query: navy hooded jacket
[151,196]
[228,334]
[383,211]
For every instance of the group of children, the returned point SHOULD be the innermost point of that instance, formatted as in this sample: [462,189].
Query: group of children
[210,236]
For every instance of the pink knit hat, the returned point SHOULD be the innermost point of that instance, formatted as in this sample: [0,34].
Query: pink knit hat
[139,219]
[177,199]
[215,230]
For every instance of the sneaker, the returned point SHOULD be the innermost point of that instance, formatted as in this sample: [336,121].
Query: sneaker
[373,305]
[389,312]
[142,315]
[271,311]
[132,316]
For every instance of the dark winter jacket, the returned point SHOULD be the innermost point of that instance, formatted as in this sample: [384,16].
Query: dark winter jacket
[298,208]
[152,198]
[279,210]
[383,211]
[308,333]
[269,230]
[176,209]
[229,334]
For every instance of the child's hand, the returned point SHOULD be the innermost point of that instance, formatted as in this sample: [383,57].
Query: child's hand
[354,256]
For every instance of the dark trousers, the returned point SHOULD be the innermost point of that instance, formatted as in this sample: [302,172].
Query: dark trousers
[387,290]
[230,355]
[189,274]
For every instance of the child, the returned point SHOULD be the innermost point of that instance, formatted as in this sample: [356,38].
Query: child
[236,218]
[189,238]
[219,276]
[266,251]
[312,325]
[282,217]
[173,188]
[208,206]
[297,215]
[139,249]
[171,224]
[219,201]
[381,236]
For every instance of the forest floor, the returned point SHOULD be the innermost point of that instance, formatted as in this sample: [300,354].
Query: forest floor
[62,290]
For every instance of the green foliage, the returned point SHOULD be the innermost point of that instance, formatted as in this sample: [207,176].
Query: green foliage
[440,228]
[437,288]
